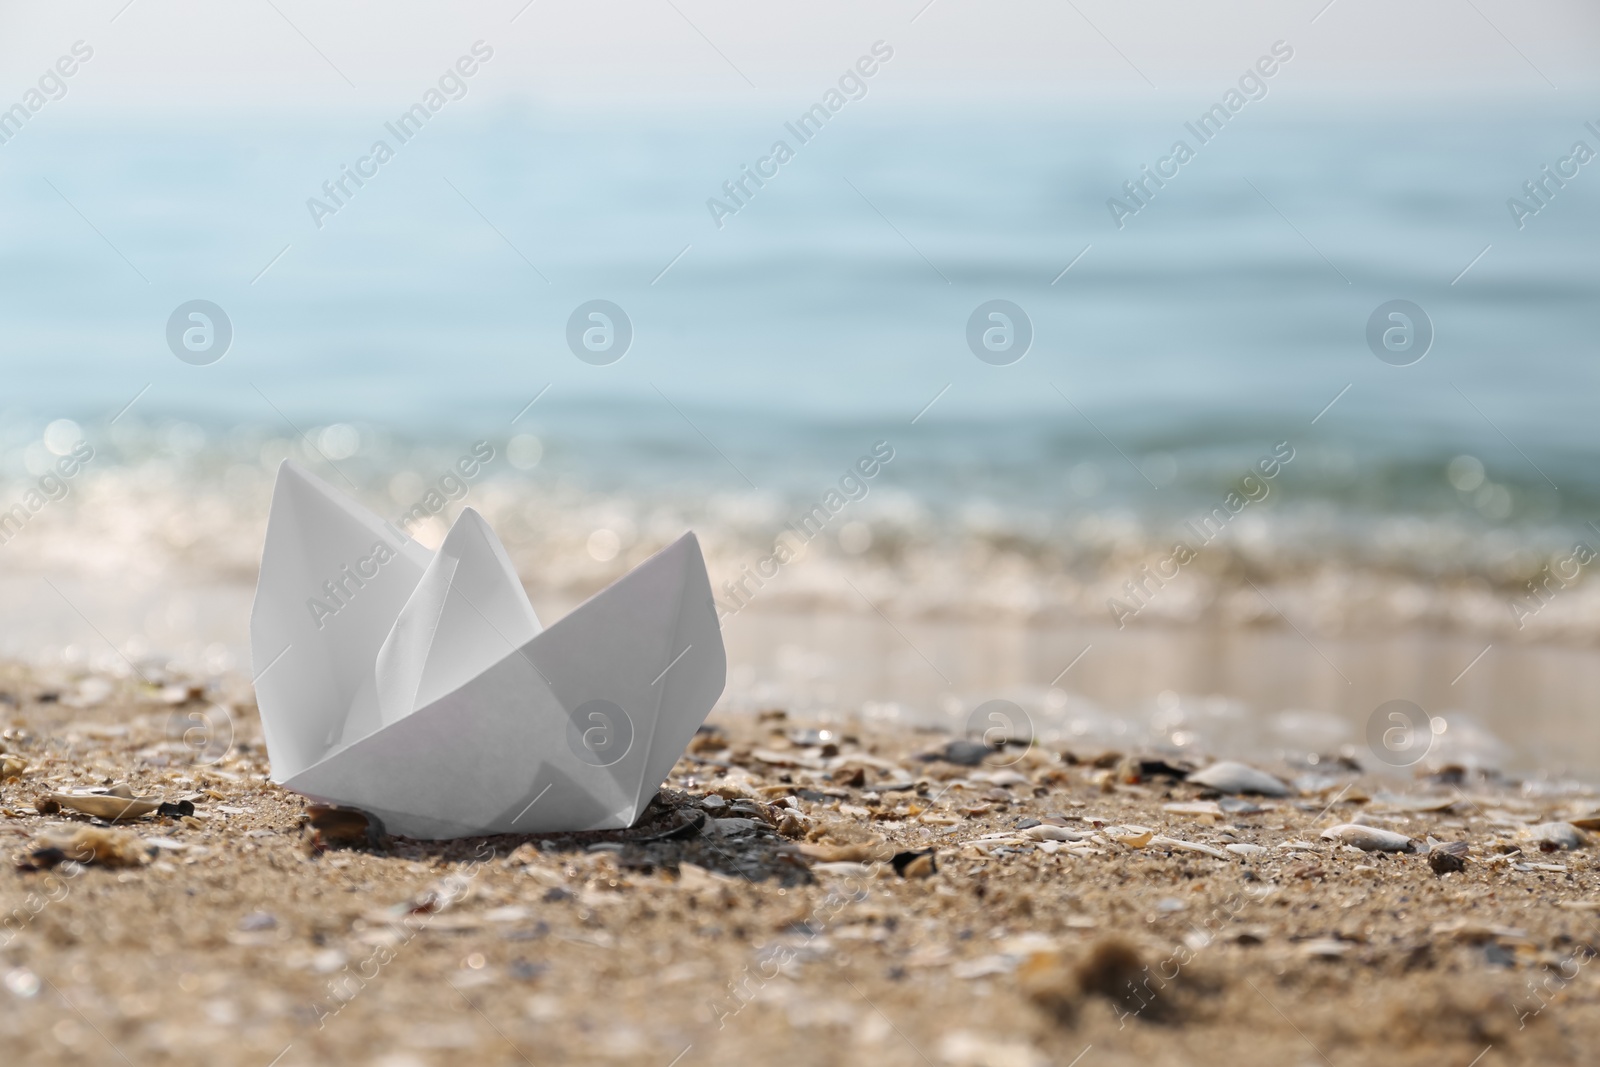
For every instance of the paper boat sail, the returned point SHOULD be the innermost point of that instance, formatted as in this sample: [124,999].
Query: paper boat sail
[420,686]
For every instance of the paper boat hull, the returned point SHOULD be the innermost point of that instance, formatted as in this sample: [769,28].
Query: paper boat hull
[573,729]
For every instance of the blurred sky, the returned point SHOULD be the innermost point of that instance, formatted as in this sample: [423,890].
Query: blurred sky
[270,52]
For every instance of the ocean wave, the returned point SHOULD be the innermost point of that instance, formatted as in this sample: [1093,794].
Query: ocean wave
[1334,544]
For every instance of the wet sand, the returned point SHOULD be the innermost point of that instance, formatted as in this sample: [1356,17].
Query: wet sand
[773,923]
[1260,691]
[1265,690]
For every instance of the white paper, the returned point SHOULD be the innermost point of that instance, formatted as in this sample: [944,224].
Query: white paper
[420,686]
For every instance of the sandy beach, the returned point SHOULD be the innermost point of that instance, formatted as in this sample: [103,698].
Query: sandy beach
[804,892]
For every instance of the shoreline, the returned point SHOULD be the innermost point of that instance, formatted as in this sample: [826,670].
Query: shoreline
[1239,691]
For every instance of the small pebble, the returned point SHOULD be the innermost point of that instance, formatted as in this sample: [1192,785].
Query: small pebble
[964,753]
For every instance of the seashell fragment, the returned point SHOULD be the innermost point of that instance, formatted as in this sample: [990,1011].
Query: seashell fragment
[1554,836]
[1046,832]
[1330,948]
[1004,777]
[1230,777]
[118,804]
[336,826]
[843,869]
[785,759]
[1132,836]
[1244,848]
[1369,838]
[1193,807]
[107,807]
[857,853]
[1187,846]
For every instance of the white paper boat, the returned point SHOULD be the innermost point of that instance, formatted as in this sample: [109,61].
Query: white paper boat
[420,687]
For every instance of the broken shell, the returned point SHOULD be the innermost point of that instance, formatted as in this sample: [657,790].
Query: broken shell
[857,853]
[12,767]
[1554,836]
[1002,777]
[843,869]
[1369,838]
[336,825]
[1246,849]
[116,804]
[1193,807]
[1187,846]
[1230,777]
[1132,836]
[1046,832]
[1325,947]
[855,777]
